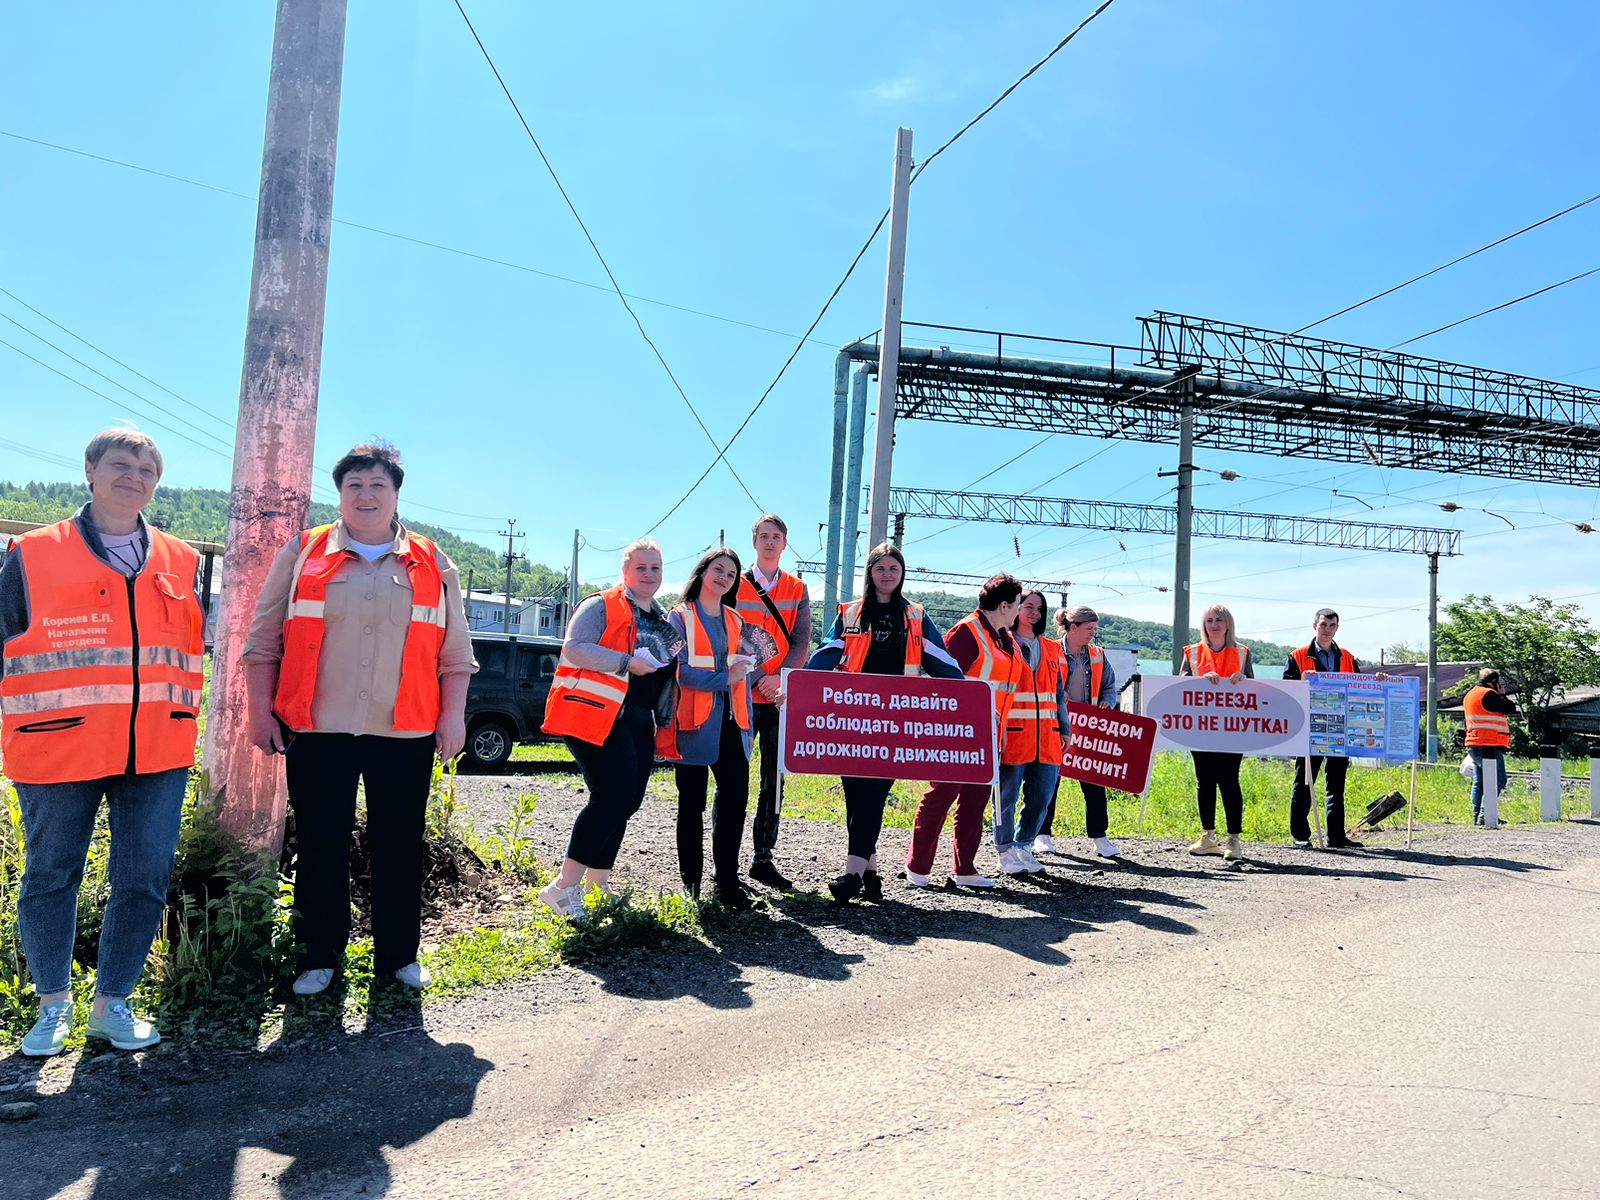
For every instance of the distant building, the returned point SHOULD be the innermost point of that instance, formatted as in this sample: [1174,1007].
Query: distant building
[542,616]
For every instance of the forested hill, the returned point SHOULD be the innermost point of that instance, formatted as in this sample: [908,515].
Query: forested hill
[201,514]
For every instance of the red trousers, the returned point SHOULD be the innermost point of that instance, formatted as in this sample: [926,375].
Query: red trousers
[970,800]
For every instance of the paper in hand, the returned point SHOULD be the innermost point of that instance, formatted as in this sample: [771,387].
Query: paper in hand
[759,644]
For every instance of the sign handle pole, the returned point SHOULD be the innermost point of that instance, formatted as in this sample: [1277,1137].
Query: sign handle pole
[1316,815]
[1144,799]
[1411,808]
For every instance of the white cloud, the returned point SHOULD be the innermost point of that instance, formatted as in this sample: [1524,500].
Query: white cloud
[897,90]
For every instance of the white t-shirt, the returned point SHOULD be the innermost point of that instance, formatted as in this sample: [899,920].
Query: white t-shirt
[371,551]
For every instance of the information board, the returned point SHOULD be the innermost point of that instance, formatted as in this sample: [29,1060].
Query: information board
[1362,716]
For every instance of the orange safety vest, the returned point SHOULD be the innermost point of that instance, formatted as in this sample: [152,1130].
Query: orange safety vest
[787,595]
[1484,728]
[1205,661]
[858,640]
[1033,730]
[106,679]
[584,704]
[1001,671]
[1307,661]
[694,705]
[416,704]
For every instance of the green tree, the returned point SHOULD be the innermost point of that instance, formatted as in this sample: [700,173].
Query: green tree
[1402,652]
[1539,648]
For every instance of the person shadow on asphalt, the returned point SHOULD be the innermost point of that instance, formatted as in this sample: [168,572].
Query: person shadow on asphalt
[327,1106]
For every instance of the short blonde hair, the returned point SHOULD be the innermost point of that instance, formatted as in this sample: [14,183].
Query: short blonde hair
[1220,610]
[636,545]
[131,440]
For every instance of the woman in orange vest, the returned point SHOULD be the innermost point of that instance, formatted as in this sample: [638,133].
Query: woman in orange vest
[1218,655]
[881,633]
[1488,719]
[712,725]
[983,648]
[103,633]
[614,687]
[1035,731]
[356,668]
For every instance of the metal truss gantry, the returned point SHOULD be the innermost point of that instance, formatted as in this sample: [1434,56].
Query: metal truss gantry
[1261,392]
[1163,519]
[954,578]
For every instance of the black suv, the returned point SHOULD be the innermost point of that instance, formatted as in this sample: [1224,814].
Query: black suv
[505,701]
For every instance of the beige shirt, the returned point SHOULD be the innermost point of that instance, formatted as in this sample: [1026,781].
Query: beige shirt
[368,611]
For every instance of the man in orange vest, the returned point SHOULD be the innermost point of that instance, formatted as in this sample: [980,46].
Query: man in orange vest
[1322,654]
[102,627]
[1488,719]
[772,600]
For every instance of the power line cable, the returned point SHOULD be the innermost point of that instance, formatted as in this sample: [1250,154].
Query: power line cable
[860,254]
[1499,307]
[414,240]
[604,265]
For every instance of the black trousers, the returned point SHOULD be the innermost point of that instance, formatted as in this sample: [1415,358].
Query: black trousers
[769,796]
[1300,799]
[615,772]
[1215,772]
[323,769]
[863,812]
[1096,818]
[732,773]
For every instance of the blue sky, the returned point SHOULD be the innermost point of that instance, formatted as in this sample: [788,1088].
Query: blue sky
[1259,162]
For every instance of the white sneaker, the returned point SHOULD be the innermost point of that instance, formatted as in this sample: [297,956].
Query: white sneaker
[973,881]
[414,975]
[1044,844]
[1012,862]
[1035,867]
[1106,848]
[313,983]
[915,880]
[563,901]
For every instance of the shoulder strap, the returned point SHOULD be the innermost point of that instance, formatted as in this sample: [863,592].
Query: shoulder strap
[788,633]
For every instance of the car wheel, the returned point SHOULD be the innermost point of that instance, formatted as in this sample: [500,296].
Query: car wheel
[489,746]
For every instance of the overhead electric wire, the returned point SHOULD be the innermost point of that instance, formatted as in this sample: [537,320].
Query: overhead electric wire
[860,254]
[1498,308]
[600,257]
[414,240]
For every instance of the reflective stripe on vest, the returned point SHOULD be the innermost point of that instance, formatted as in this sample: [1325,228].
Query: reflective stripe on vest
[1224,662]
[787,595]
[583,703]
[416,704]
[857,641]
[77,701]
[1033,726]
[1001,671]
[1484,728]
[695,705]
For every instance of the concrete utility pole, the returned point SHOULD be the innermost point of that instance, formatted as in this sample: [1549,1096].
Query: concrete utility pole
[511,535]
[278,392]
[572,581]
[1185,522]
[1433,658]
[889,340]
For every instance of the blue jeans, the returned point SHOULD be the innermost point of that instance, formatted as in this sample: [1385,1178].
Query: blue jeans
[1035,782]
[58,822]
[1496,755]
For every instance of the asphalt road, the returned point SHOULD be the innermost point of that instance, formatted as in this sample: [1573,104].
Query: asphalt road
[1376,1025]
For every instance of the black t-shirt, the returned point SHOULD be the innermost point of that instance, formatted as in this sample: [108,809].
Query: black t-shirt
[655,634]
[886,653]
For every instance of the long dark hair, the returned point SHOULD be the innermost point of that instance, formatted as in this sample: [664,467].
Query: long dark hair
[1044,613]
[881,551]
[691,590]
